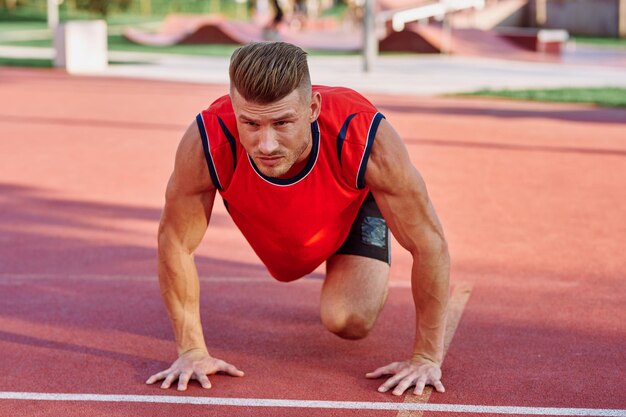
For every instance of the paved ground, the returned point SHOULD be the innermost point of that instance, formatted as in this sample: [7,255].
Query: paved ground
[531,197]
[400,74]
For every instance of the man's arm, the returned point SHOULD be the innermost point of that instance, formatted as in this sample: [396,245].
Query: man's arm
[188,204]
[401,195]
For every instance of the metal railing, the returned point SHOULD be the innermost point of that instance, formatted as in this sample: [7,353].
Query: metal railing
[436,11]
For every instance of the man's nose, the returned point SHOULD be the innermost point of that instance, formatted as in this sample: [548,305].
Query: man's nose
[267,142]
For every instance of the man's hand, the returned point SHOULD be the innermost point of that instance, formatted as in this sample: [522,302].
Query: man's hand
[195,364]
[418,372]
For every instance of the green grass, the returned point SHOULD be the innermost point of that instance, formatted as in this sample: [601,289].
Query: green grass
[31,18]
[21,16]
[26,62]
[601,96]
[337,11]
[41,43]
[35,10]
[122,20]
[587,40]
[119,43]
[44,62]
[20,25]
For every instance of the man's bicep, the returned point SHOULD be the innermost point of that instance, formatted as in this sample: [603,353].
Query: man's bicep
[189,195]
[185,218]
[401,192]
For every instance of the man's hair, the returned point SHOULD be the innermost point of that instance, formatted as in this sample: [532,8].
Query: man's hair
[264,72]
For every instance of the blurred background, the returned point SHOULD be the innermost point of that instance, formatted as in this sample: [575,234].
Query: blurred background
[537,43]
[603,18]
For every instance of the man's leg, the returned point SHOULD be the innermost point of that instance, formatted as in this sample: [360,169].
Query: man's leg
[353,294]
[355,288]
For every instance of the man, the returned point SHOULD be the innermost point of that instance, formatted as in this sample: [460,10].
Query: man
[309,175]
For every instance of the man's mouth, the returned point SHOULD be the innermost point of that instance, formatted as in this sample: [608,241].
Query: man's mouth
[269,161]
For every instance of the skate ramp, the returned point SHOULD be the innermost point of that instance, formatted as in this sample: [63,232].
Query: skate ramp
[194,29]
[416,38]
[190,29]
[467,42]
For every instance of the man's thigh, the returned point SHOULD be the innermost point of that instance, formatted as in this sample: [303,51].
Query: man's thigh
[355,288]
[354,285]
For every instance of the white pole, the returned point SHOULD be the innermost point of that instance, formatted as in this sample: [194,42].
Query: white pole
[446,45]
[541,14]
[621,19]
[53,14]
[370,40]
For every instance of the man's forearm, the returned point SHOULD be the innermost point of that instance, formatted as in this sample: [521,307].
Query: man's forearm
[430,286]
[180,289]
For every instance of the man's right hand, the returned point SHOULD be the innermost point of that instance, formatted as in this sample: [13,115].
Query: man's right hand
[194,364]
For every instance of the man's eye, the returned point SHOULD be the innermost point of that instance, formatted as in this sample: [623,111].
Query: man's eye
[281,123]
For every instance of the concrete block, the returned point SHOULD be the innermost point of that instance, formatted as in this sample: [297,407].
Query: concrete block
[81,46]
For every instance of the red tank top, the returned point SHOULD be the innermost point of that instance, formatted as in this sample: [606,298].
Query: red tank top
[295,224]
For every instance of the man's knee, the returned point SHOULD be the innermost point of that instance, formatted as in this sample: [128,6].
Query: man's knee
[347,324]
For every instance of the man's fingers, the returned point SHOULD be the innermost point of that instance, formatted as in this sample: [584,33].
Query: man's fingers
[183,380]
[168,381]
[375,374]
[192,367]
[204,381]
[406,374]
[439,386]
[403,385]
[229,369]
[157,377]
[232,370]
[393,381]
[385,370]
[419,386]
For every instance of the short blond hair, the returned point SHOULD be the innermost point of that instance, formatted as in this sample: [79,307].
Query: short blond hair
[265,72]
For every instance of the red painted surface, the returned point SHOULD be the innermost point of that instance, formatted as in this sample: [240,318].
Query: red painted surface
[530,195]
[466,42]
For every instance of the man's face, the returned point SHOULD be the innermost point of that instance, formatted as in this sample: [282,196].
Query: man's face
[277,135]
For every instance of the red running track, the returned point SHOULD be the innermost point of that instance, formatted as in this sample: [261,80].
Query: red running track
[531,197]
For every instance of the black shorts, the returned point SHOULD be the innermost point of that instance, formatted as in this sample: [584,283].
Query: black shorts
[369,235]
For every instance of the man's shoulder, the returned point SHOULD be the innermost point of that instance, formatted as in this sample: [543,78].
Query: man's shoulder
[340,105]
[219,115]
[339,92]
[221,107]
[218,125]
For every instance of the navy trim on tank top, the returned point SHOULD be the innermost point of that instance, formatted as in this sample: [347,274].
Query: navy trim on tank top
[360,181]
[315,138]
[207,152]
[342,135]
[231,140]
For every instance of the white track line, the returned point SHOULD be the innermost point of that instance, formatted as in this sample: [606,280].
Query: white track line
[354,405]
[153,278]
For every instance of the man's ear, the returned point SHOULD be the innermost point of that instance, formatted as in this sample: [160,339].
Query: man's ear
[316,106]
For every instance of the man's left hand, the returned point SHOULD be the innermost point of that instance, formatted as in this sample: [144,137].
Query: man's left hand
[418,372]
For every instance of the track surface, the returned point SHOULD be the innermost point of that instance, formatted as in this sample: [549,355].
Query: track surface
[531,197]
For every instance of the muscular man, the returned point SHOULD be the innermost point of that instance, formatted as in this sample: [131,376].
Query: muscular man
[309,175]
